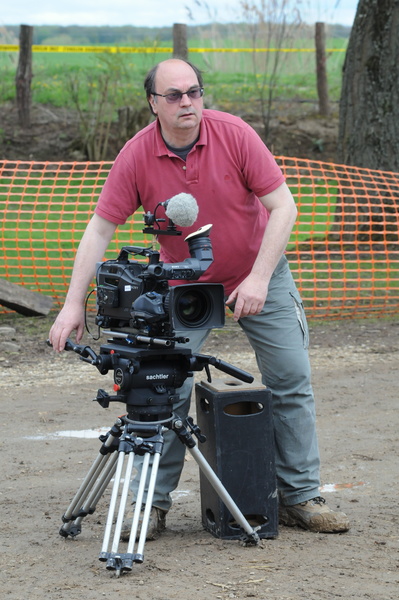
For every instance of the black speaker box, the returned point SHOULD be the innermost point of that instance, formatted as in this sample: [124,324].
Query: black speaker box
[236,419]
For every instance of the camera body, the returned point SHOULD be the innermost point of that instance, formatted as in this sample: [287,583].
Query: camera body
[137,297]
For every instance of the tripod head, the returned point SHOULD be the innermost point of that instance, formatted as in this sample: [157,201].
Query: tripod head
[146,379]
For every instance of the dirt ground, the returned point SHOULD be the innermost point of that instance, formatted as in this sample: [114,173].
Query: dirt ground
[44,398]
[296,130]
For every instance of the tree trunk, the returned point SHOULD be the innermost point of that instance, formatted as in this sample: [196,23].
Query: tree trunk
[367,214]
[369,107]
[321,71]
[24,75]
[180,48]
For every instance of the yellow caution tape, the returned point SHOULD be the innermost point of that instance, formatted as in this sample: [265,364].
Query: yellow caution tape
[150,50]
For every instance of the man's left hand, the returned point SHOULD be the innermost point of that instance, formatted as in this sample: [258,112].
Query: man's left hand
[249,297]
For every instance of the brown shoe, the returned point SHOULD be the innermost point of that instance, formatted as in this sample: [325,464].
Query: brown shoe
[156,523]
[314,515]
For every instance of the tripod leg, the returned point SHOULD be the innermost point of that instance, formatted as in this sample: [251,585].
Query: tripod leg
[102,485]
[147,510]
[75,510]
[115,560]
[138,503]
[90,505]
[112,505]
[122,503]
[250,537]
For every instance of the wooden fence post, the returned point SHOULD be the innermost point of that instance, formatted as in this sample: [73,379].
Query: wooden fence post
[180,49]
[24,75]
[321,71]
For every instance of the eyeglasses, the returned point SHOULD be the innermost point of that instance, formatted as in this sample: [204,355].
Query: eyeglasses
[173,97]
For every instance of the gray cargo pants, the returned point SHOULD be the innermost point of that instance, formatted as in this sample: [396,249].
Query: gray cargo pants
[279,337]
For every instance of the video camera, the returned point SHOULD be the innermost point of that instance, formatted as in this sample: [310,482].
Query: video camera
[133,297]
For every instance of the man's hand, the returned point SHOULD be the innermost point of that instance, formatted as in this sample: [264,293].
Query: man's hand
[71,318]
[91,249]
[249,297]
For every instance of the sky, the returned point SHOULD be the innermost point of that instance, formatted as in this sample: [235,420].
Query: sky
[157,13]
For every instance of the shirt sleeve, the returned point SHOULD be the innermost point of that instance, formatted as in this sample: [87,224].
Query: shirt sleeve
[262,173]
[119,198]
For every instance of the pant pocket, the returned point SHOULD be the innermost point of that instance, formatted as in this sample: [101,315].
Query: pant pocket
[300,313]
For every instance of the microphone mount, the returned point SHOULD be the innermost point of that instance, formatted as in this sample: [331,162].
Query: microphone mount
[181,210]
[150,220]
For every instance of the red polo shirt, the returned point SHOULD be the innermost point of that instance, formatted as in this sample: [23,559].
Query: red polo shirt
[226,171]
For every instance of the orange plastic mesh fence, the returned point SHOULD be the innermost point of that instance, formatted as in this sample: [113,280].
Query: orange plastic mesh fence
[343,251]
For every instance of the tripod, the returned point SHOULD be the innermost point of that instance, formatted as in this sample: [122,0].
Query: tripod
[146,379]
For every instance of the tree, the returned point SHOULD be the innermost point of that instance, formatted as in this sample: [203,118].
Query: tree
[23,77]
[273,24]
[369,107]
[366,216]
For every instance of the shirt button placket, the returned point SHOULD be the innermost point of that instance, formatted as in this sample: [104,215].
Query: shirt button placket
[191,168]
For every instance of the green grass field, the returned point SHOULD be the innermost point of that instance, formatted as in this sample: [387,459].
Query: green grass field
[230,79]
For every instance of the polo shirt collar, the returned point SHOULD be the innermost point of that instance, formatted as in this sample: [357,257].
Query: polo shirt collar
[160,146]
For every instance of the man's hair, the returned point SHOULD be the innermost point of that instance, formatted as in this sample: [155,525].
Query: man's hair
[149,81]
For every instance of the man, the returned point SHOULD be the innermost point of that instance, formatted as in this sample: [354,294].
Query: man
[240,189]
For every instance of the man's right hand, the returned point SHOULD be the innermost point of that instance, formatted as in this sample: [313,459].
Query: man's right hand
[91,249]
[71,318]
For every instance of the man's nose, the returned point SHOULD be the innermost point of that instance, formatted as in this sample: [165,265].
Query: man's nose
[185,99]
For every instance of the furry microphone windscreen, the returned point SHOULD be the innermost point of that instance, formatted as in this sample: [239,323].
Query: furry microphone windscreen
[182,209]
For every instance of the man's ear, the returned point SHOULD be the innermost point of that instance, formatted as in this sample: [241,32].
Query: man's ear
[153,104]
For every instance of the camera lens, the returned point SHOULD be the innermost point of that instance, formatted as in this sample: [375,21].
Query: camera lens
[195,306]
[192,307]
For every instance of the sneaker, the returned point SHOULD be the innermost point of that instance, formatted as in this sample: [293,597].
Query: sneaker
[156,523]
[314,515]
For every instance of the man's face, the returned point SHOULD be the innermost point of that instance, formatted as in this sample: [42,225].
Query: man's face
[179,120]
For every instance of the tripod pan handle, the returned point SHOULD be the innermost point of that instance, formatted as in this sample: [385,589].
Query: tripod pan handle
[231,369]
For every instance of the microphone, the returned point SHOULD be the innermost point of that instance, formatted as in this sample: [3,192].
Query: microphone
[182,209]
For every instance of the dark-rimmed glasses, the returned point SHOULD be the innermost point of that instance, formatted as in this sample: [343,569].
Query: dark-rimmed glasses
[173,97]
